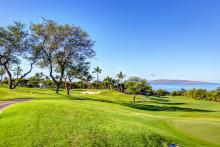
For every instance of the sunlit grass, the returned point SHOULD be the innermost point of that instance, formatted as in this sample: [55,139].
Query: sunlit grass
[106,119]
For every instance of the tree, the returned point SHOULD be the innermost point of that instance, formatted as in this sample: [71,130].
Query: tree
[120,77]
[108,81]
[2,72]
[136,86]
[78,71]
[181,92]
[98,71]
[36,80]
[89,78]
[17,71]
[62,46]
[218,90]
[161,92]
[15,44]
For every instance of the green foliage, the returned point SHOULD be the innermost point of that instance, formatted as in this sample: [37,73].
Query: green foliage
[79,71]
[36,80]
[120,76]
[16,43]
[62,46]
[17,71]
[161,92]
[218,90]
[98,71]
[181,92]
[2,72]
[202,94]
[136,86]
[109,82]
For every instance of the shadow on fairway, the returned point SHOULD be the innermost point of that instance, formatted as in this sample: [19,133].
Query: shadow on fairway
[164,108]
[169,103]
[147,107]
[141,105]
[159,99]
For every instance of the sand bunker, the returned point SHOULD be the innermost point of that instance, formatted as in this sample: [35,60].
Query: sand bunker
[91,92]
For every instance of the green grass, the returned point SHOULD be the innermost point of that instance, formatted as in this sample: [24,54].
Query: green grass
[106,119]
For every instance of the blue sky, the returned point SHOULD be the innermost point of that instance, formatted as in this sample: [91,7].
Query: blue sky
[154,39]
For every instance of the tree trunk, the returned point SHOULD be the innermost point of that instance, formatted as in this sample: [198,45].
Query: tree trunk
[10,84]
[97,81]
[1,79]
[57,88]
[134,98]
[53,78]
[24,75]
[67,91]
[97,77]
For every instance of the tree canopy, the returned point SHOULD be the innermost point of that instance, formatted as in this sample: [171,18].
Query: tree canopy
[62,46]
[136,86]
[16,43]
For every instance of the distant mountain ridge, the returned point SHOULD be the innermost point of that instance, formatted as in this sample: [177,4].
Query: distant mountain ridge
[167,81]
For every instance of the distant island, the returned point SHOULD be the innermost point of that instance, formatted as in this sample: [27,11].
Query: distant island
[167,81]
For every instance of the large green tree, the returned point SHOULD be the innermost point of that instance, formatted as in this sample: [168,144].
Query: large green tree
[15,44]
[62,46]
[79,71]
[136,86]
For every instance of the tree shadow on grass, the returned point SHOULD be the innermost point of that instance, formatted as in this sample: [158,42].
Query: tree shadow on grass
[164,108]
[168,103]
[146,107]
[139,105]
[160,99]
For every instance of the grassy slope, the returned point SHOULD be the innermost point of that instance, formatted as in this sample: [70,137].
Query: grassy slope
[106,119]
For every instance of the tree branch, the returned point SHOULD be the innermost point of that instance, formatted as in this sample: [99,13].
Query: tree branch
[24,75]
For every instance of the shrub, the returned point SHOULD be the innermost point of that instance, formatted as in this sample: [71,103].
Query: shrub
[161,92]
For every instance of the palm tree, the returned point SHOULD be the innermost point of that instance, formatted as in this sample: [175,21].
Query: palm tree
[98,71]
[89,78]
[108,82]
[120,77]
[17,71]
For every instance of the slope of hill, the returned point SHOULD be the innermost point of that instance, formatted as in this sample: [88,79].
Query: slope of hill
[107,118]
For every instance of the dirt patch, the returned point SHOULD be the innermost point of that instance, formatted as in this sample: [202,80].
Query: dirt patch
[91,92]
[6,103]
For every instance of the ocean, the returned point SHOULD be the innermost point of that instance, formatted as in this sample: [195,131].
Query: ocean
[173,87]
